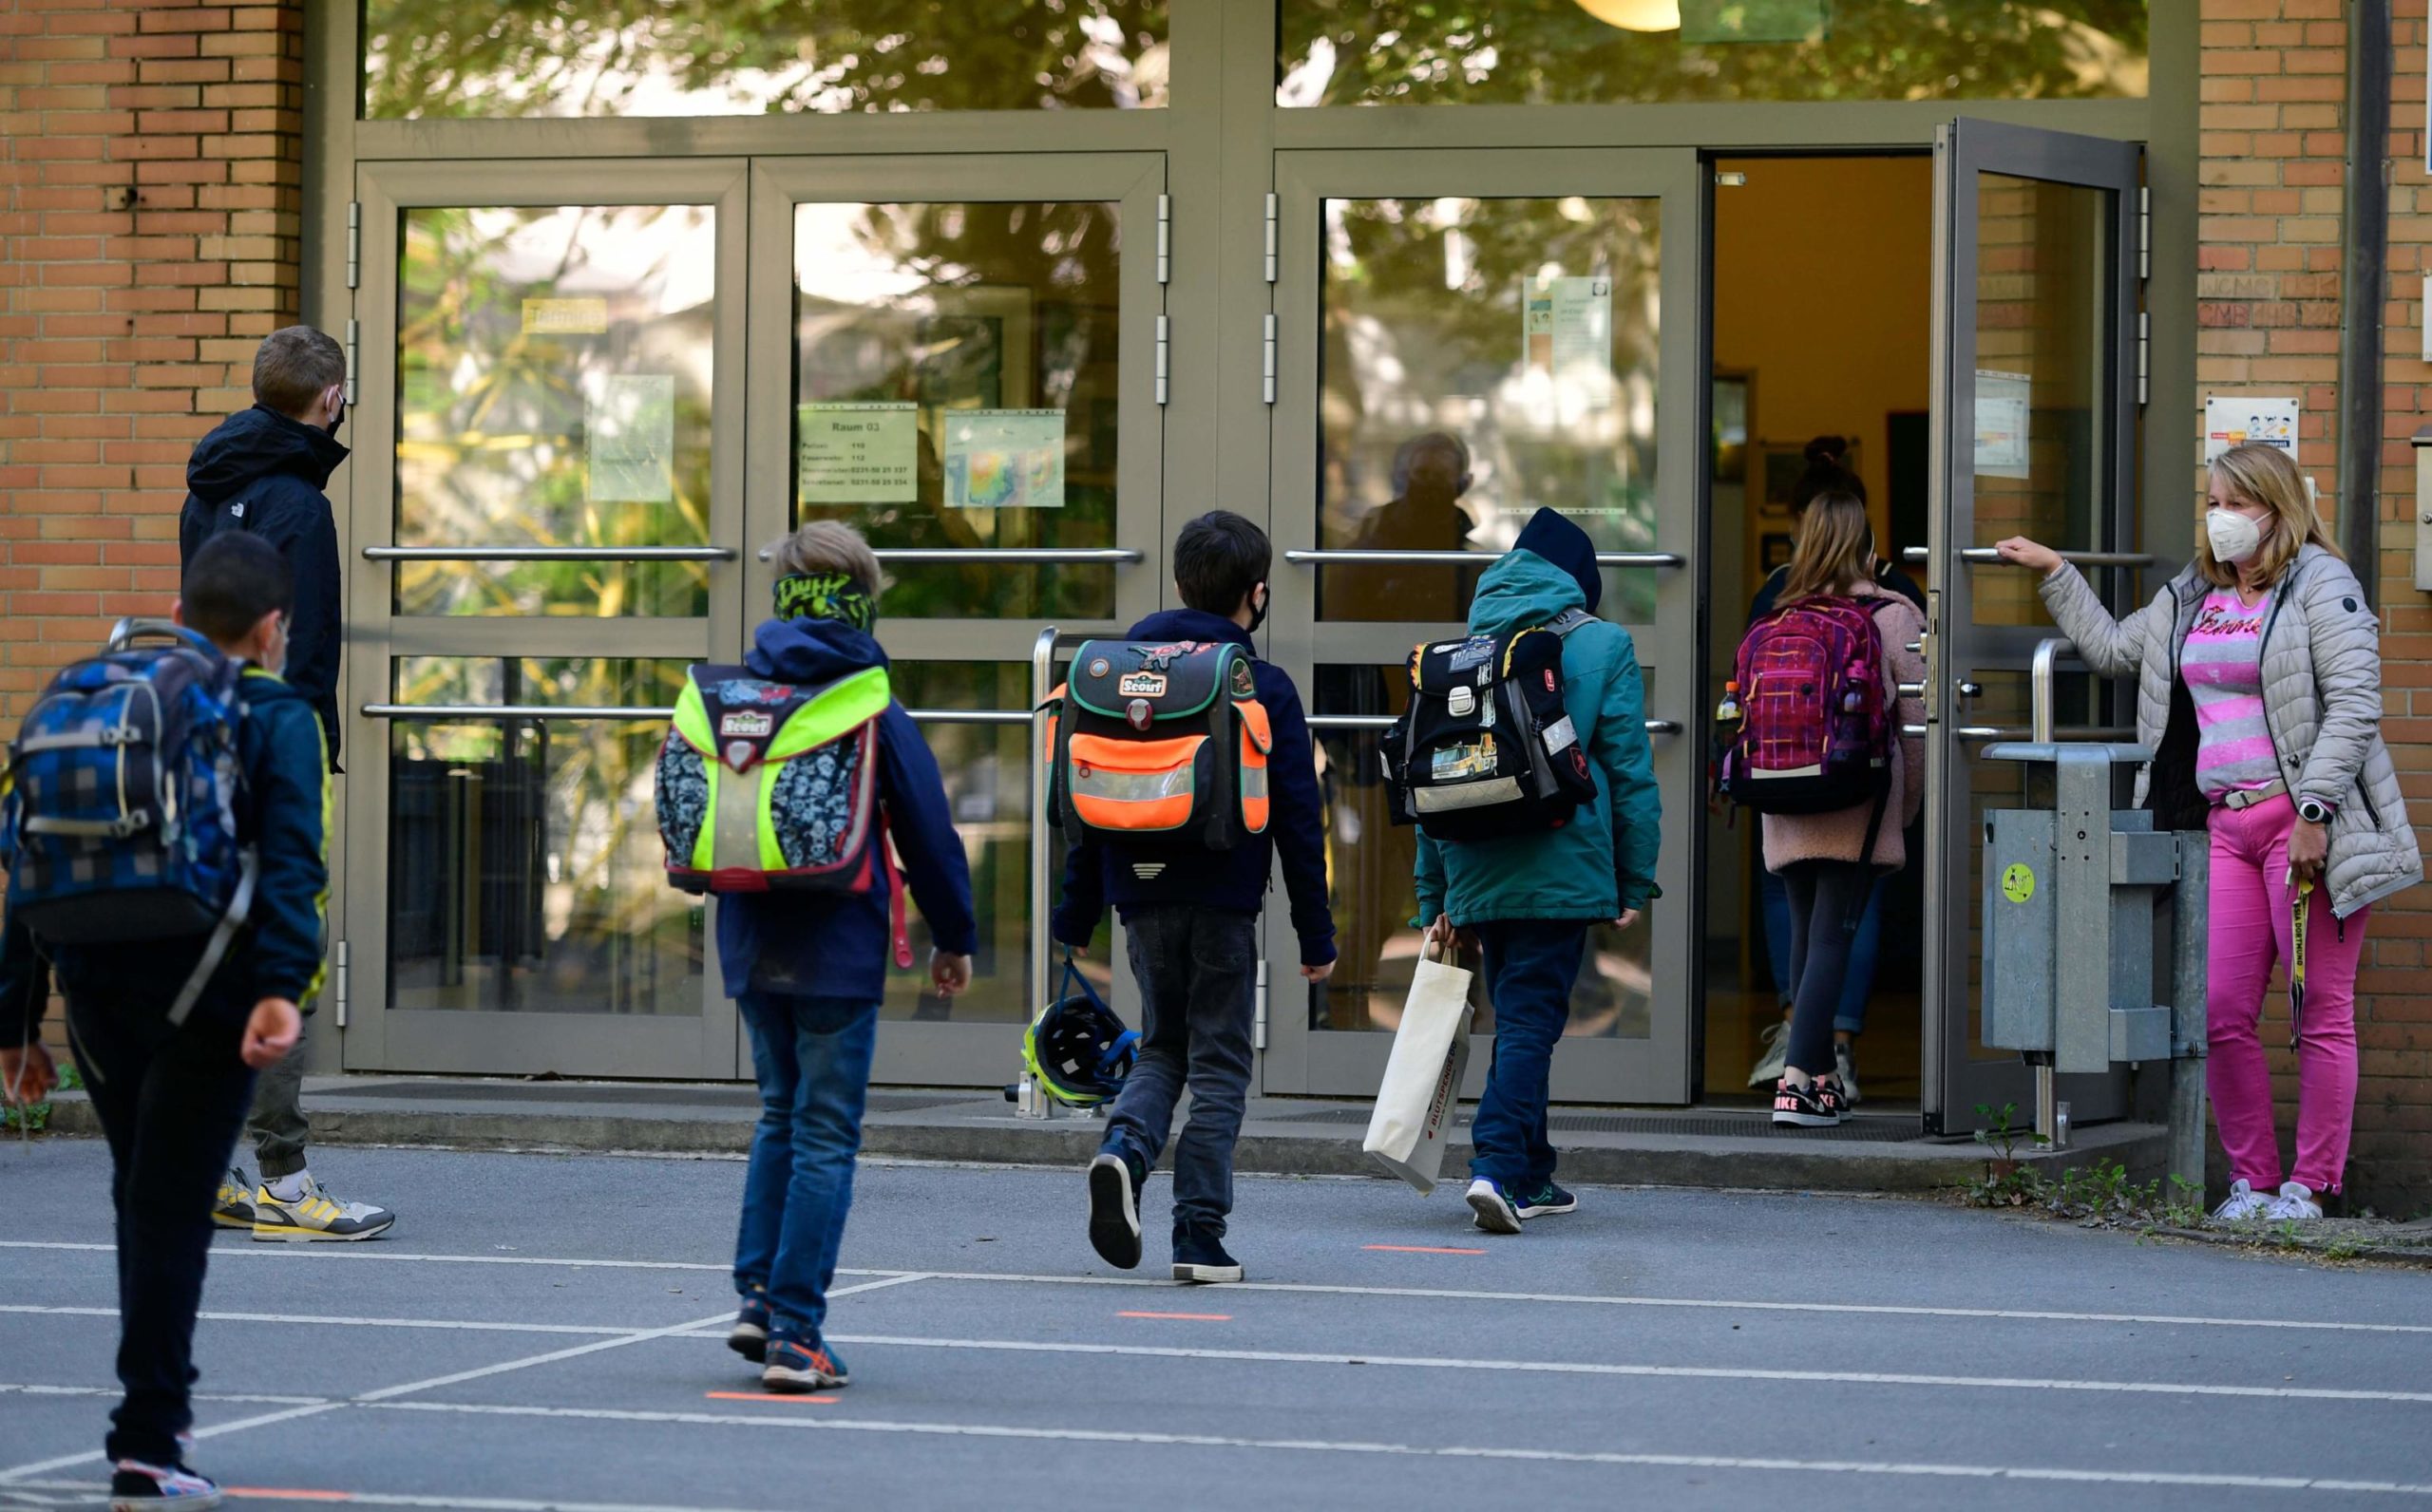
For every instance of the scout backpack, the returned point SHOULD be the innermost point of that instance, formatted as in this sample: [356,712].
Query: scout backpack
[1486,747]
[118,823]
[1816,731]
[1160,741]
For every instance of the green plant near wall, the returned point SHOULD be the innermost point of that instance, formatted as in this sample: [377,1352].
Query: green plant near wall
[37,1118]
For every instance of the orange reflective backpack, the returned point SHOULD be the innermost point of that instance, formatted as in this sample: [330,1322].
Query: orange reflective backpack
[1159,741]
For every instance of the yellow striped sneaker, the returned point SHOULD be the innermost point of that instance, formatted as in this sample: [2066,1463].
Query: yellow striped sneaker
[315,1215]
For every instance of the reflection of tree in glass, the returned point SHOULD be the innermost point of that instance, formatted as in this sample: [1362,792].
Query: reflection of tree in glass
[1337,52]
[513,325]
[435,58]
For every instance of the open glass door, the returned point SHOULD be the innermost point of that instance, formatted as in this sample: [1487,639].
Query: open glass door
[1461,338]
[2035,393]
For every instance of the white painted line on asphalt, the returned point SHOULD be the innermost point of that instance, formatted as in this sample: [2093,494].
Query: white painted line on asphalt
[263,1420]
[449,1324]
[1706,1461]
[903,1279]
[364,1253]
[470,1503]
[480,1373]
[248,1398]
[2005,1383]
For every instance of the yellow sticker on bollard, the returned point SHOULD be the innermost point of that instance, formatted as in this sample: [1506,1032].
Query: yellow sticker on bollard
[2018,882]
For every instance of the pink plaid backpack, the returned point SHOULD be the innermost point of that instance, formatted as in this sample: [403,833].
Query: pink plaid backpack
[1816,732]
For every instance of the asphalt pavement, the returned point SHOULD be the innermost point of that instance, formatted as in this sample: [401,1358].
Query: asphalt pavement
[544,1331]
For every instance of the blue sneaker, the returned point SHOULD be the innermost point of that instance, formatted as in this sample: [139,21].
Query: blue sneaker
[1199,1256]
[803,1365]
[135,1485]
[1494,1211]
[1552,1200]
[1115,1179]
[749,1335]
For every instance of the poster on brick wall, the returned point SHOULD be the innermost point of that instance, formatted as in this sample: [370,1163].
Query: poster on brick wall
[2232,420]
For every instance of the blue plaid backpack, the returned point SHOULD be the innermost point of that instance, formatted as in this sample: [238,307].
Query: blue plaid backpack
[117,811]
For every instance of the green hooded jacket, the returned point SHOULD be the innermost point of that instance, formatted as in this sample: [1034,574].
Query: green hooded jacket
[1603,861]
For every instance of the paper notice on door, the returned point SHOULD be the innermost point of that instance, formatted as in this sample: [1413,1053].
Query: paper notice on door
[2232,420]
[629,433]
[565,317]
[1567,326]
[1003,459]
[2003,400]
[857,454]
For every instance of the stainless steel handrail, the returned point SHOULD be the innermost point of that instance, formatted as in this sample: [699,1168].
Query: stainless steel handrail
[1012,556]
[1042,877]
[1984,556]
[2083,732]
[1379,558]
[474,713]
[1654,727]
[2040,675]
[575,553]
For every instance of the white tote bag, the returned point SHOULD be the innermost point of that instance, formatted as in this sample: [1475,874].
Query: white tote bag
[1413,1116]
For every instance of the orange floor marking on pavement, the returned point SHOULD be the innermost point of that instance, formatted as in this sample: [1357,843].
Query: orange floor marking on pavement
[1194,1317]
[1420,1249]
[764,1396]
[271,1493]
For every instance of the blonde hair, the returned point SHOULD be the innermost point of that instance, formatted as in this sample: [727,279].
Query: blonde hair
[1835,539]
[824,546]
[2263,475]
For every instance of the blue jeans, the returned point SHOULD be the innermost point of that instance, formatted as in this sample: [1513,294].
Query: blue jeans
[1531,967]
[812,1055]
[1198,973]
[1857,983]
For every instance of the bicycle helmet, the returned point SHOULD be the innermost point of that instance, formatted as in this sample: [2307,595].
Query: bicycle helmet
[1078,1052]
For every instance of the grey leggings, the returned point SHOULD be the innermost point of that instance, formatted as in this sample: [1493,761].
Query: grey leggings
[1826,897]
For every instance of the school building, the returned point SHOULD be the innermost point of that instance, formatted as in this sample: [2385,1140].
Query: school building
[1017,286]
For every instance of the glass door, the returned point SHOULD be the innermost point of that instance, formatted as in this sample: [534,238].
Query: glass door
[548,497]
[1459,338]
[2035,385]
[962,356]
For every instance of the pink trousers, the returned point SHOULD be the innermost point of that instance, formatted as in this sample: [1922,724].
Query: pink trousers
[2248,932]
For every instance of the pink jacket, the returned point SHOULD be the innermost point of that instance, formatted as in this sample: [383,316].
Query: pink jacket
[1836,837]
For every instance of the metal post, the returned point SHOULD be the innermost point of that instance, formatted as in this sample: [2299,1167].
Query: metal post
[2040,686]
[2189,904]
[1028,1101]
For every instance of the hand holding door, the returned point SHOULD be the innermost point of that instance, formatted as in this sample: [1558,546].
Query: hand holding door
[2025,553]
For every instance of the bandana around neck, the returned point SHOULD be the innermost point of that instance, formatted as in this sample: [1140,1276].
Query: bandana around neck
[826,595]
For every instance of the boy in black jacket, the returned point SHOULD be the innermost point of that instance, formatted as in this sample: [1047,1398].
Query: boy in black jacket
[1192,916]
[171,1098]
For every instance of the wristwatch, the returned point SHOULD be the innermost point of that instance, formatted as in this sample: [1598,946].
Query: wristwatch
[2313,810]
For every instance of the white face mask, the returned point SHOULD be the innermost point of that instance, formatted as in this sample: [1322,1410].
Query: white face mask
[2234,538]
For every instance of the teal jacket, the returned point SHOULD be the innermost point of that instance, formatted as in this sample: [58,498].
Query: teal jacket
[1603,861]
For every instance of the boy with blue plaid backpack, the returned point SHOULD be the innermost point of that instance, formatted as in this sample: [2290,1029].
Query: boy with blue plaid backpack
[164,830]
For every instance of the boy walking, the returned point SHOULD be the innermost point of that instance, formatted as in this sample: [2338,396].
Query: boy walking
[1192,914]
[808,970]
[1530,898]
[171,1096]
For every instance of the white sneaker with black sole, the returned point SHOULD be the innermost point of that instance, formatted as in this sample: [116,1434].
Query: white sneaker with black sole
[1114,1211]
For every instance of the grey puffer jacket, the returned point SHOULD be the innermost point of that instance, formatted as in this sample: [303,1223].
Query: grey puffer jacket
[2322,703]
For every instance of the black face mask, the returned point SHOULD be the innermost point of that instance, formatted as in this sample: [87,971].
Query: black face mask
[1258,609]
[331,428]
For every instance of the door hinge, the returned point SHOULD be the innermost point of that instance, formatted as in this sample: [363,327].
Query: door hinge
[1165,239]
[2145,354]
[1165,352]
[1274,209]
[354,335]
[2146,232]
[1266,363]
[1258,1038]
[353,243]
[337,984]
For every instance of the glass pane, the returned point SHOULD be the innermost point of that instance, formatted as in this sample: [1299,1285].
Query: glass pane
[553,373]
[1369,865]
[2043,293]
[1483,357]
[525,873]
[956,382]
[436,58]
[1348,52]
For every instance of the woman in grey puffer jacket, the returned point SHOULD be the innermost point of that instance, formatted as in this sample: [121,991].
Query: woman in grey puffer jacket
[2259,676]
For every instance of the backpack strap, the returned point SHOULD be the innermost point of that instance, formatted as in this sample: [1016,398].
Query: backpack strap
[897,924]
[1569,620]
[222,936]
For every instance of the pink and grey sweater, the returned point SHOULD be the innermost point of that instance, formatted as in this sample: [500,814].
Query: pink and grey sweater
[1792,838]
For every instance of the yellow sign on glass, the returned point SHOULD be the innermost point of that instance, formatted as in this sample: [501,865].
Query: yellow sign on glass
[565,317]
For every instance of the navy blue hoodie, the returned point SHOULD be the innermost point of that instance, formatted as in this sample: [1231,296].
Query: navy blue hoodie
[262,472]
[836,944]
[283,811]
[1095,874]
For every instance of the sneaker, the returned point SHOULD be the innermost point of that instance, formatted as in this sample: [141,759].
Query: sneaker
[1492,1210]
[1833,1096]
[1815,1106]
[1550,1202]
[803,1365]
[234,1207]
[2295,1203]
[2245,1204]
[315,1216]
[135,1485]
[1199,1256]
[1771,1065]
[749,1335]
[1114,1208]
[1845,1071]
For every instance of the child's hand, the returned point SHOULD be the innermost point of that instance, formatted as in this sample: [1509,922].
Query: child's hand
[27,1074]
[1316,973]
[950,972]
[271,1032]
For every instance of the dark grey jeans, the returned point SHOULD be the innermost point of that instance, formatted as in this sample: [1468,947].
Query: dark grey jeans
[1198,973]
[278,1125]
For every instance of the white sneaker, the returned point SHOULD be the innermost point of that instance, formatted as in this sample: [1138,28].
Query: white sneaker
[2295,1203]
[1845,1063]
[2245,1204]
[1771,1065]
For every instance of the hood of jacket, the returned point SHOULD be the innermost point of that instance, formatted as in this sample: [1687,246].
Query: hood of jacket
[811,652]
[1191,624]
[1522,589]
[256,444]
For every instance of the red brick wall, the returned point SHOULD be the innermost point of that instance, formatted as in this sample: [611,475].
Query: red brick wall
[150,214]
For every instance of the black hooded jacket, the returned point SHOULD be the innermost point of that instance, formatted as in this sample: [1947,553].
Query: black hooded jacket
[262,472]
